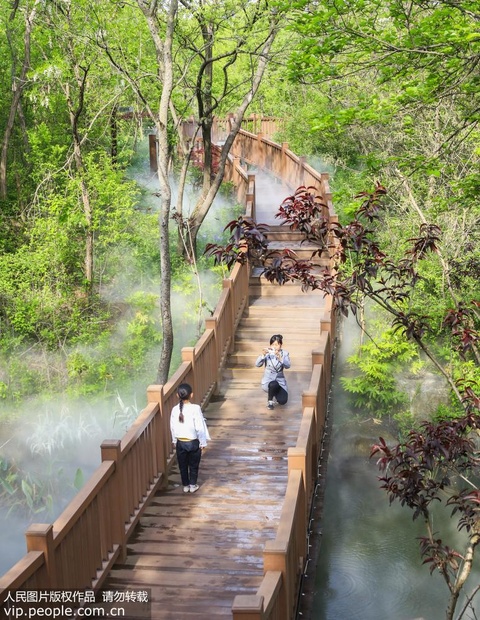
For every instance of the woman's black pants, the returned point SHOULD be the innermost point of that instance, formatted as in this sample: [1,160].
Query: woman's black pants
[277,391]
[189,454]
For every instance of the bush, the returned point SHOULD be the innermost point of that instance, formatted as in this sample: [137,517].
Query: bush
[374,387]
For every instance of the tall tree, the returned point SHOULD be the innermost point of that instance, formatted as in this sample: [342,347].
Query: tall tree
[73,62]
[212,46]
[18,78]
[228,36]
[160,21]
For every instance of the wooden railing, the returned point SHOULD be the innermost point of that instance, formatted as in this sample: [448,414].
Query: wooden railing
[290,169]
[255,123]
[80,547]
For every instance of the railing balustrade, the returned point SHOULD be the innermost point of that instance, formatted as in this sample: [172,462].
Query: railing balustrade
[79,549]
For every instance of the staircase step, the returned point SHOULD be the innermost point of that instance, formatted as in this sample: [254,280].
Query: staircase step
[271,290]
[294,245]
[256,346]
[279,232]
[263,308]
[252,334]
[290,336]
[247,362]
[242,378]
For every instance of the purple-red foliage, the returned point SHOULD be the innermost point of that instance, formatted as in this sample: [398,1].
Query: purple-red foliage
[307,213]
[427,467]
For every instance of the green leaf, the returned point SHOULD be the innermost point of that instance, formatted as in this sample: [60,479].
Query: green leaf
[79,480]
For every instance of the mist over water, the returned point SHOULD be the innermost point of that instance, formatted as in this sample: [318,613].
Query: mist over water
[55,441]
[53,444]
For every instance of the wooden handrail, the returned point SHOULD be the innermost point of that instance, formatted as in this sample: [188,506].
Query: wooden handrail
[138,466]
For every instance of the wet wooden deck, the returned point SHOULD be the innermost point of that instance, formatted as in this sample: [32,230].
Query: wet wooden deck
[196,552]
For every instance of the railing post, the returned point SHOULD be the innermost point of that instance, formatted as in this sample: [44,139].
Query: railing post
[152,150]
[318,358]
[297,459]
[326,323]
[212,323]
[326,332]
[260,150]
[301,523]
[250,197]
[333,244]
[283,164]
[228,284]
[275,559]
[188,355]
[40,538]
[111,450]
[247,607]
[309,399]
[326,193]
[301,170]
[245,273]
[163,439]
[235,174]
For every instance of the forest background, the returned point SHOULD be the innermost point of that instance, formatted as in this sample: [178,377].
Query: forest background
[93,250]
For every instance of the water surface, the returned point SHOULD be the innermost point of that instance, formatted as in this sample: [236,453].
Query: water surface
[369,564]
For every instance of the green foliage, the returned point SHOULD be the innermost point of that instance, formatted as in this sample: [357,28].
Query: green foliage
[405,421]
[212,230]
[21,379]
[29,495]
[119,355]
[447,412]
[375,388]
[467,371]
[143,330]
[23,493]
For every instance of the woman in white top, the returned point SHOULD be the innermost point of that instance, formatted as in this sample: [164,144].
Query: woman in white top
[273,381]
[189,435]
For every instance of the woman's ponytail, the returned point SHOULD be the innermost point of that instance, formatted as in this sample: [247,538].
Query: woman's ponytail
[184,392]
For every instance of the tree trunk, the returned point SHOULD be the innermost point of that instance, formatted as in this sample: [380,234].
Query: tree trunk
[164,75]
[18,85]
[74,114]
[186,150]
[208,171]
[204,100]
[164,55]
[462,576]
[114,135]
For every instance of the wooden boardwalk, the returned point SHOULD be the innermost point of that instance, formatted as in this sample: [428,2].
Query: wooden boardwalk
[196,552]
